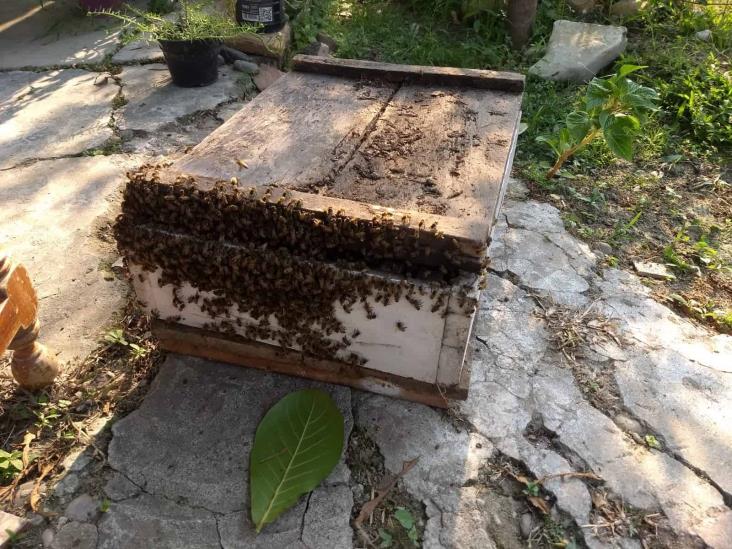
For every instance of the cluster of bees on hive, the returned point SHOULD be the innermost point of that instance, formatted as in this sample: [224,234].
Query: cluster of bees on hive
[246,251]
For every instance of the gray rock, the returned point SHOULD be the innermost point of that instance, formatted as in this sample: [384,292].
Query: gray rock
[327,520]
[47,537]
[220,60]
[67,486]
[527,524]
[704,35]
[327,40]
[153,101]
[22,494]
[77,301]
[652,270]
[316,48]
[148,521]
[170,469]
[578,51]
[627,423]
[517,189]
[76,461]
[246,67]
[83,508]
[35,519]
[139,51]
[10,526]
[604,248]
[119,487]
[75,535]
[232,54]
[36,107]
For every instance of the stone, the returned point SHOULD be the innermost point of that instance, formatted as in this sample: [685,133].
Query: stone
[652,270]
[149,521]
[626,8]
[47,537]
[83,508]
[316,48]
[267,76]
[582,6]
[119,487]
[704,35]
[604,248]
[35,519]
[327,40]
[220,60]
[53,34]
[517,189]
[76,461]
[327,519]
[578,51]
[67,486]
[139,51]
[61,204]
[526,524]
[627,423]
[231,55]
[551,263]
[23,493]
[33,107]
[10,526]
[187,403]
[75,535]
[246,67]
[153,101]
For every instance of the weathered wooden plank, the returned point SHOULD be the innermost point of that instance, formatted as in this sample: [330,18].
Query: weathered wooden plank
[235,350]
[294,135]
[436,150]
[353,68]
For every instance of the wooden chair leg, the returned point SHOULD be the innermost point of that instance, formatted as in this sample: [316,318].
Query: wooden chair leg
[33,367]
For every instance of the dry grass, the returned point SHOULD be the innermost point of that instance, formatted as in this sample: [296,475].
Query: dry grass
[47,425]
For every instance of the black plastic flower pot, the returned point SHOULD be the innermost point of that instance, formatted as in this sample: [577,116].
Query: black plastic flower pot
[192,63]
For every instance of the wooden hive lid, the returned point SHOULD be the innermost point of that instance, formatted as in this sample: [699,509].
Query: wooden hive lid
[425,146]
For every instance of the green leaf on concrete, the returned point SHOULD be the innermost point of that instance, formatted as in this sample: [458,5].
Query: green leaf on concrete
[296,446]
[404,517]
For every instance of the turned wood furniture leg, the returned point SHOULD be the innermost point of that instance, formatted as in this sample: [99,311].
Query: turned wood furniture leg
[32,365]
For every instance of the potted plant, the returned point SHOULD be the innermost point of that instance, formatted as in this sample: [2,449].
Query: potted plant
[191,43]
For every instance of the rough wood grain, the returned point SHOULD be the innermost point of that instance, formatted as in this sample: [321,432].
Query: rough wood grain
[295,134]
[235,350]
[353,68]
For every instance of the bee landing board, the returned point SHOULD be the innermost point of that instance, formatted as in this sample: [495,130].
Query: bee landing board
[335,228]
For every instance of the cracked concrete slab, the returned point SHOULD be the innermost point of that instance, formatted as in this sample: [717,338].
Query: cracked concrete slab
[36,110]
[153,101]
[671,382]
[53,34]
[49,215]
[139,51]
[203,417]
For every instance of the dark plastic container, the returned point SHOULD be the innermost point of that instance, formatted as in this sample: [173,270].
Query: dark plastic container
[192,63]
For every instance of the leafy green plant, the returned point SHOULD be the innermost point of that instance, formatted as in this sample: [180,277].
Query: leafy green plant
[11,463]
[405,518]
[297,444]
[117,337]
[615,108]
[193,23]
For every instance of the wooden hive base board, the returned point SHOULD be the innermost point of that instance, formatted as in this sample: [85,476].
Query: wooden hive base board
[232,349]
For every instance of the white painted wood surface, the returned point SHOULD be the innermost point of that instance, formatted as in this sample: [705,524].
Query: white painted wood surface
[428,343]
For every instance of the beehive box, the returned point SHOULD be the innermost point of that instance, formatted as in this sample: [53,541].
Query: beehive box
[335,228]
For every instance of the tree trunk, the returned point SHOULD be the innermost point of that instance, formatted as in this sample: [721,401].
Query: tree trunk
[521,15]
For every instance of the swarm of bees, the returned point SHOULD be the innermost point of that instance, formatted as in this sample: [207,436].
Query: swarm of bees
[258,252]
